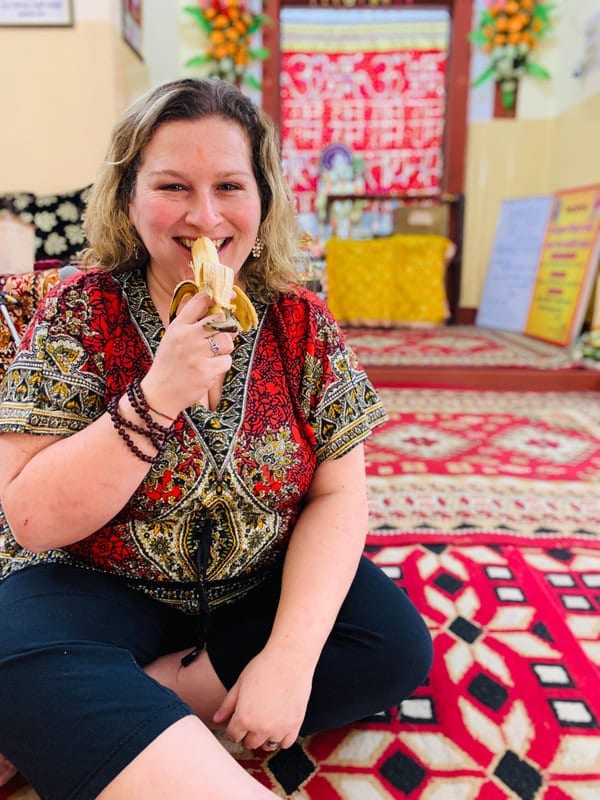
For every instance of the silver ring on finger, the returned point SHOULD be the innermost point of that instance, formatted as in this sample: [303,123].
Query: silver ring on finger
[214,347]
[271,744]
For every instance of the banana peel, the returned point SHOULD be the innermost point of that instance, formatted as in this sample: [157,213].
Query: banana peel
[216,280]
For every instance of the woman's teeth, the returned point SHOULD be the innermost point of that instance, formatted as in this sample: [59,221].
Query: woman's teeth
[218,243]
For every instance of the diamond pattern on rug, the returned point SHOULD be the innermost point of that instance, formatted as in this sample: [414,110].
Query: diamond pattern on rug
[542,444]
[411,440]
[511,710]
[458,345]
[466,465]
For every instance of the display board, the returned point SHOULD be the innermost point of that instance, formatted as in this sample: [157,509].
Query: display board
[512,269]
[567,269]
[543,265]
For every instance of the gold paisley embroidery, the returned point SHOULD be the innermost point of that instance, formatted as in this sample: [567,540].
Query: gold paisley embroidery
[66,353]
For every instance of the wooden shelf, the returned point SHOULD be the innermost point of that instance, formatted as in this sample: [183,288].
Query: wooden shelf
[405,199]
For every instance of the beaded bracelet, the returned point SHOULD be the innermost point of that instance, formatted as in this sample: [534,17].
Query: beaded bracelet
[121,424]
[135,395]
[157,439]
[157,434]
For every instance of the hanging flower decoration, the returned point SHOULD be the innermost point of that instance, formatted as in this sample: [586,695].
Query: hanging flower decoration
[229,26]
[509,30]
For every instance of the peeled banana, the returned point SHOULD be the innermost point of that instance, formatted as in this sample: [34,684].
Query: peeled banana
[216,280]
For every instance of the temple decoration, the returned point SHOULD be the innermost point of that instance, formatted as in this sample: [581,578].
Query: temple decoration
[340,173]
[509,31]
[229,26]
[362,106]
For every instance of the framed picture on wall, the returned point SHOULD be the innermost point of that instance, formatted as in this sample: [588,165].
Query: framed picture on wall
[36,13]
[132,25]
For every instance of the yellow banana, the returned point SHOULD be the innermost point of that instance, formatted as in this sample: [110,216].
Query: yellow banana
[216,280]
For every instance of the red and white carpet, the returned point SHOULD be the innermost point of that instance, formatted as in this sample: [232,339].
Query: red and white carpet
[482,467]
[511,709]
[455,345]
[485,508]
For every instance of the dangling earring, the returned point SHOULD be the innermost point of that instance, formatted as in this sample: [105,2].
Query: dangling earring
[258,247]
[137,252]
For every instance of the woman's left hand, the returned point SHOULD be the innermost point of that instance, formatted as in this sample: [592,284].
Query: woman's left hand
[267,703]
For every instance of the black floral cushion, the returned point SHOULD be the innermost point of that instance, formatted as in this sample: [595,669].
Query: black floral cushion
[57,220]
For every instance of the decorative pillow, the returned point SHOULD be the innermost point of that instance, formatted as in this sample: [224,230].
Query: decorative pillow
[393,280]
[16,201]
[57,219]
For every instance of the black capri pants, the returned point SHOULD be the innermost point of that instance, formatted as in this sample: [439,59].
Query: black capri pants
[76,706]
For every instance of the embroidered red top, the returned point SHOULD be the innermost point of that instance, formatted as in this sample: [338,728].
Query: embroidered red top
[294,397]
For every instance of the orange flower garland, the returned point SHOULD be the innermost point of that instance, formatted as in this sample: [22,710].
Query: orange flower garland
[509,30]
[229,27]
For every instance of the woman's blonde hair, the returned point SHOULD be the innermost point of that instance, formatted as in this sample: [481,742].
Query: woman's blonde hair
[112,241]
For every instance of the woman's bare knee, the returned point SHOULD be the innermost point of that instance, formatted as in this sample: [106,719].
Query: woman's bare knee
[186,761]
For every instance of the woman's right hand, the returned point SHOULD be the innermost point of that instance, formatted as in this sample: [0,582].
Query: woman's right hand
[187,364]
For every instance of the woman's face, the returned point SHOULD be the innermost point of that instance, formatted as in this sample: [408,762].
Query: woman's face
[195,179]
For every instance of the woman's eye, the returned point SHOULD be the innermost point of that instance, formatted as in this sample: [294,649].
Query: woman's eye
[228,187]
[172,187]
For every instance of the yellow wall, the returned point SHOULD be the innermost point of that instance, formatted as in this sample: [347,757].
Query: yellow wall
[63,88]
[60,93]
[553,143]
[576,145]
[504,160]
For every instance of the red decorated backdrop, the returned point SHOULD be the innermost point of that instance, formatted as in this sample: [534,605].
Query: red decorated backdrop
[378,88]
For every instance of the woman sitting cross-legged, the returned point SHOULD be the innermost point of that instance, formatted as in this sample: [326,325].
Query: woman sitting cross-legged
[183,495]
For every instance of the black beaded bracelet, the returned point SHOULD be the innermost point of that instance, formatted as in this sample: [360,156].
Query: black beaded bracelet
[157,440]
[121,424]
[138,401]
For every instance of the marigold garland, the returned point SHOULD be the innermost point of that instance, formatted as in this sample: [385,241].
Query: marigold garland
[509,30]
[229,26]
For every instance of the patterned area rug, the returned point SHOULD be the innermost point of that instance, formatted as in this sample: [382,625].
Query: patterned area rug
[511,710]
[485,510]
[517,641]
[483,467]
[455,345]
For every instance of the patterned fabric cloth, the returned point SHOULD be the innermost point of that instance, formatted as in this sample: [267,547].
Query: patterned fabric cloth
[394,280]
[363,76]
[293,398]
[26,290]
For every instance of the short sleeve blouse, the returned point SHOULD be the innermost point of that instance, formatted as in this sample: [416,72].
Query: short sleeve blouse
[293,398]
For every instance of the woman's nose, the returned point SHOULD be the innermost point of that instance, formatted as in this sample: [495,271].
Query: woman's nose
[203,210]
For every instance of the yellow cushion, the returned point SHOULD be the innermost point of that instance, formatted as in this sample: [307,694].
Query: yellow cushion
[394,280]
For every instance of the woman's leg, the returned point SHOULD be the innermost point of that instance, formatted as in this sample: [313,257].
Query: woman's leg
[79,716]
[186,762]
[378,653]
